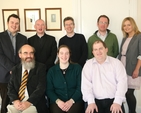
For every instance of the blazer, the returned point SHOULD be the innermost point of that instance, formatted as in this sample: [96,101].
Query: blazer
[46,49]
[133,51]
[36,86]
[7,57]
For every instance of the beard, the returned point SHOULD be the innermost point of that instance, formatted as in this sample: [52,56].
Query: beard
[28,65]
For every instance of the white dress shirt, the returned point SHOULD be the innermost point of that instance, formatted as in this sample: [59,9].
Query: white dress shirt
[106,80]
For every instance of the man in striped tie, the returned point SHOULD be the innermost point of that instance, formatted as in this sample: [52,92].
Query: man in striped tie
[27,85]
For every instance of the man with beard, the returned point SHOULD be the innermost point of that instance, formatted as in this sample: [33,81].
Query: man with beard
[33,99]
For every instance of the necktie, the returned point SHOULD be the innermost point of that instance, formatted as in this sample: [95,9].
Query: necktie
[23,85]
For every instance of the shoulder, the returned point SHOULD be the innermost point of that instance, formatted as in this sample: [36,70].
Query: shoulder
[112,35]
[64,37]
[21,35]
[114,61]
[32,37]
[49,36]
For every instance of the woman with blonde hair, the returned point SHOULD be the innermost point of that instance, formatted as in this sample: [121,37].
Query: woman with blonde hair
[130,56]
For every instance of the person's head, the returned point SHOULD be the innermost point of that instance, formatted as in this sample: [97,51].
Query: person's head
[100,51]
[69,25]
[103,23]
[129,26]
[63,54]
[40,26]
[26,53]
[13,23]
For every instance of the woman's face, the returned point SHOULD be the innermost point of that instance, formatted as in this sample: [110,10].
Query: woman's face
[127,27]
[64,55]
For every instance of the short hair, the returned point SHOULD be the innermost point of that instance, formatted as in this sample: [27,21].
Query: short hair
[68,18]
[20,50]
[13,15]
[100,41]
[64,46]
[104,17]
[133,23]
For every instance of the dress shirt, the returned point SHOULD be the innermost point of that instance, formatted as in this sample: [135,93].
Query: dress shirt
[13,40]
[102,37]
[102,81]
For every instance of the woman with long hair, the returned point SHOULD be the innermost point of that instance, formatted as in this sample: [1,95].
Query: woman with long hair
[130,55]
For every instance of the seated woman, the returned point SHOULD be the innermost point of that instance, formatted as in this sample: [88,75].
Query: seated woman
[64,84]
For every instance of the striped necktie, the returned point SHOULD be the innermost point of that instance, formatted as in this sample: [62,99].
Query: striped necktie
[23,85]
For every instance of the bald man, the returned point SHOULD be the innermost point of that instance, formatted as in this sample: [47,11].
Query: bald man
[34,95]
[44,44]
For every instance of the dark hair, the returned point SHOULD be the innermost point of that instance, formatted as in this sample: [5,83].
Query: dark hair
[68,18]
[13,15]
[100,41]
[63,46]
[104,17]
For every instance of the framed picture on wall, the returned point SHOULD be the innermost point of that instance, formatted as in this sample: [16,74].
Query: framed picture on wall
[30,16]
[5,15]
[53,19]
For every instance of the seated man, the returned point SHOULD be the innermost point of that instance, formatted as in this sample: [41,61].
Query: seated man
[104,82]
[26,88]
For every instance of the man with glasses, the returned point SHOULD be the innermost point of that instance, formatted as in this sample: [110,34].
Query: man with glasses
[105,35]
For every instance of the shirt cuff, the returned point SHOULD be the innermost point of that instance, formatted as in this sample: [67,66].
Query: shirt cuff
[90,101]
[139,57]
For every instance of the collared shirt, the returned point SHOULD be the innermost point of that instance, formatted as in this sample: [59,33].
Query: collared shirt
[106,80]
[26,91]
[13,40]
[102,37]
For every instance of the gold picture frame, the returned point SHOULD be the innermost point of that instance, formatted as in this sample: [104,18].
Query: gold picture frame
[53,19]
[5,15]
[30,16]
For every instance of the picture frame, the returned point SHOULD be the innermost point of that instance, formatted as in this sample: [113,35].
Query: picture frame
[30,17]
[5,15]
[53,19]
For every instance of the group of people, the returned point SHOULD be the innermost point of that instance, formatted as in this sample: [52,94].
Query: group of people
[95,74]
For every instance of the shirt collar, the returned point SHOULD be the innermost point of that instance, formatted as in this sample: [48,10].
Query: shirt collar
[106,61]
[10,34]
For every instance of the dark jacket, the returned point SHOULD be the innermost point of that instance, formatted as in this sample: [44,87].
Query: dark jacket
[36,86]
[7,57]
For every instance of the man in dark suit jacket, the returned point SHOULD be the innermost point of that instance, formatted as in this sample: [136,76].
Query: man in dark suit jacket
[10,42]
[34,100]
[45,45]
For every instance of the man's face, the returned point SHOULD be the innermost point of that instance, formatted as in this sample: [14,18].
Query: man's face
[69,26]
[27,54]
[13,25]
[100,52]
[102,24]
[40,26]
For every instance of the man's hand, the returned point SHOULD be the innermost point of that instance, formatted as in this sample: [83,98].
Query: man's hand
[91,108]
[17,104]
[115,108]
[24,105]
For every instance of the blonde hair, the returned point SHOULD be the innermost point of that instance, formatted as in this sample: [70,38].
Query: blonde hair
[134,25]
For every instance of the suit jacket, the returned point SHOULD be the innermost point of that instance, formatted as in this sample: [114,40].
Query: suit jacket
[46,49]
[7,57]
[133,51]
[36,86]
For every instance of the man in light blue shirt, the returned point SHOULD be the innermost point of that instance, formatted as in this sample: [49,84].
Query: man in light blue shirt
[104,82]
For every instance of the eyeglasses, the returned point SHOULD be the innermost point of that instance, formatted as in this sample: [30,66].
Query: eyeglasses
[105,23]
